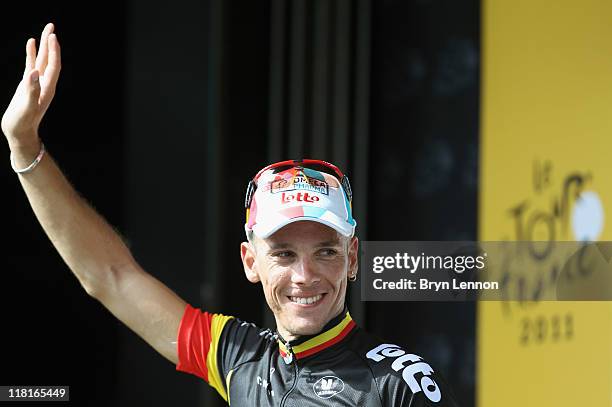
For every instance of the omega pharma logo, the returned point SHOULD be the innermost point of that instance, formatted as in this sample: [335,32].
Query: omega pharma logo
[328,386]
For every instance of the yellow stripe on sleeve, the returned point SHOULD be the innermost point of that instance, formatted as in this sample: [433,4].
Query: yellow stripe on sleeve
[214,377]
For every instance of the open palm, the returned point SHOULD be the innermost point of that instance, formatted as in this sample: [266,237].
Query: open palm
[34,93]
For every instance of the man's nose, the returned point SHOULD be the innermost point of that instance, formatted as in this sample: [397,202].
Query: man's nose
[305,272]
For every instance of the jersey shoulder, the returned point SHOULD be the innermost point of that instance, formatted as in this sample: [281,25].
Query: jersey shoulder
[211,345]
[403,378]
[243,341]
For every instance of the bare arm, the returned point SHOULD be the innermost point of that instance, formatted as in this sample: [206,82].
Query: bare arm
[91,248]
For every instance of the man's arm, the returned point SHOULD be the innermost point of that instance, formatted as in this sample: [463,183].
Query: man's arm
[95,253]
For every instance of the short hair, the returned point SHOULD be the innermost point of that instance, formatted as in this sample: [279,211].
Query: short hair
[250,236]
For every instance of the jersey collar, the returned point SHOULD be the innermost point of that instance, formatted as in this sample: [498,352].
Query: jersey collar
[333,332]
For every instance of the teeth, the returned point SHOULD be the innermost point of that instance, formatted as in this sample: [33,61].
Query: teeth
[306,300]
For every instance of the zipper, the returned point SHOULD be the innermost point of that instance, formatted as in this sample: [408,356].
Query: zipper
[293,361]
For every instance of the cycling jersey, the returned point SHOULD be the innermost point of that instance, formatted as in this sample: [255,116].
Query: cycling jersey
[341,366]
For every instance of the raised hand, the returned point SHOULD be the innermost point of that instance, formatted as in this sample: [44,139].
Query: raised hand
[34,93]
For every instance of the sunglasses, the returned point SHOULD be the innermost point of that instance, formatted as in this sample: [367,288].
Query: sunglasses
[315,165]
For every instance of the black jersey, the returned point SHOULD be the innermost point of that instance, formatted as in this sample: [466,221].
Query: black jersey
[341,366]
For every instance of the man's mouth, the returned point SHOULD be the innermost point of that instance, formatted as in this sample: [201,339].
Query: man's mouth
[306,300]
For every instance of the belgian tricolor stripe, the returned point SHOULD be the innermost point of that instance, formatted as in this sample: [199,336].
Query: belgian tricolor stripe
[322,341]
[197,344]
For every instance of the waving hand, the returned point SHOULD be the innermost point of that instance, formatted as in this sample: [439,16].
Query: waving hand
[35,91]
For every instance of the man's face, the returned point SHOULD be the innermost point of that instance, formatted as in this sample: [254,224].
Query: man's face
[303,269]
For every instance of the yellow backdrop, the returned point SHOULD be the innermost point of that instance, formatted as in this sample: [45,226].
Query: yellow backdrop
[546,166]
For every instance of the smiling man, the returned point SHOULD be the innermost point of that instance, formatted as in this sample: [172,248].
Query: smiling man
[300,247]
[302,272]
[299,221]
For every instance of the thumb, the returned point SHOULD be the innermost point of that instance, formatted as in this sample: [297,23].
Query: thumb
[33,87]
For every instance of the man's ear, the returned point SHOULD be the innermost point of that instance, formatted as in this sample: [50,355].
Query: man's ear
[353,251]
[247,253]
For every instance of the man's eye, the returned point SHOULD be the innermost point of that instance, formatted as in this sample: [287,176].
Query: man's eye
[285,254]
[328,252]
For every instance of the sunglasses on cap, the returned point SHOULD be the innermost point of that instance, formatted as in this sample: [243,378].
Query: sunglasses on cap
[315,165]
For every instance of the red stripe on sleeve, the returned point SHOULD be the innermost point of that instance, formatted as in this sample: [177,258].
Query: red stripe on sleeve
[193,342]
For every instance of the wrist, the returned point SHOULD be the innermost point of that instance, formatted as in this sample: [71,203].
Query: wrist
[25,156]
[23,142]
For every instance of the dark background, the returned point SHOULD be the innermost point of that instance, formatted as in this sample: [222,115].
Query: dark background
[165,110]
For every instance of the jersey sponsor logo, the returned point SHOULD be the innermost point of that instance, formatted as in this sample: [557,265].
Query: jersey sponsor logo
[299,182]
[411,366]
[265,384]
[299,197]
[328,386]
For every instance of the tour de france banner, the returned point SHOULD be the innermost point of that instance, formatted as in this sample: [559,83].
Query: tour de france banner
[545,177]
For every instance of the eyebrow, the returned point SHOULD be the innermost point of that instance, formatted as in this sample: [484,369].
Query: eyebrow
[276,246]
[327,243]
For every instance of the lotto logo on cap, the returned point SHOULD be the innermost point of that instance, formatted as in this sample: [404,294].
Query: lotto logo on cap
[299,194]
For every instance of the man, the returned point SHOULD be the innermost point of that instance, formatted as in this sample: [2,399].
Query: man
[301,248]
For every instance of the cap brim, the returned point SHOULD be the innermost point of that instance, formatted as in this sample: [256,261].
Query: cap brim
[265,230]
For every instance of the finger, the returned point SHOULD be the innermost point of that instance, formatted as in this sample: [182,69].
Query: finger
[30,56]
[54,64]
[32,85]
[41,59]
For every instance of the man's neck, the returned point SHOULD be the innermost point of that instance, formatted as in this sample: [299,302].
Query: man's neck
[288,336]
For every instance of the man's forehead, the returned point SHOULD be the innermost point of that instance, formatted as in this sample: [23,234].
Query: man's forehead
[292,243]
[304,233]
